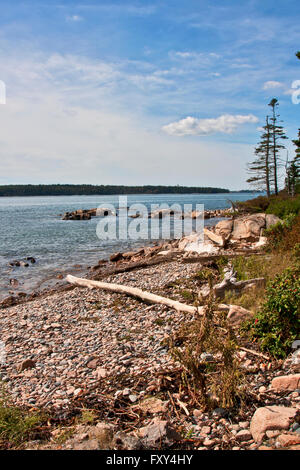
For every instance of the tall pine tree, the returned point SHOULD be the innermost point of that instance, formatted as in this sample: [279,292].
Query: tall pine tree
[261,168]
[277,135]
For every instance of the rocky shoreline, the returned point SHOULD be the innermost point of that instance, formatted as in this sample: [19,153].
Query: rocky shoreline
[77,348]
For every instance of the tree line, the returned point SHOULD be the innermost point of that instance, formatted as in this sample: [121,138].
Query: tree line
[264,168]
[88,189]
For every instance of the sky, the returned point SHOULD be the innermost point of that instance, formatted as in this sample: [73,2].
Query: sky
[143,92]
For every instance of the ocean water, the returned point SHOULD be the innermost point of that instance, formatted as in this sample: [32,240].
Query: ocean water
[32,226]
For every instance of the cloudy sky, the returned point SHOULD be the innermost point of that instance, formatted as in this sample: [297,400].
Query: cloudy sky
[142,92]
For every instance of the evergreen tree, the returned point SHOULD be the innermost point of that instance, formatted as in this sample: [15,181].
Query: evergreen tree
[277,135]
[261,168]
[293,170]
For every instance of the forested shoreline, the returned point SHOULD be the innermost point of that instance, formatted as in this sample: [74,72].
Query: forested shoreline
[88,189]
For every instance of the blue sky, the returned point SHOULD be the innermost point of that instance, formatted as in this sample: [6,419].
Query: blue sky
[142,92]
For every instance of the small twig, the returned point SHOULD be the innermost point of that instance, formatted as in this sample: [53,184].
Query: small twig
[182,405]
[174,406]
[255,353]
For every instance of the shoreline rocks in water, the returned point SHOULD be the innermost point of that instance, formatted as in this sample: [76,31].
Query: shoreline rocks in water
[87,214]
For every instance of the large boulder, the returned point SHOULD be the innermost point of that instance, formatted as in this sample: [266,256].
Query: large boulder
[197,243]
[248,228]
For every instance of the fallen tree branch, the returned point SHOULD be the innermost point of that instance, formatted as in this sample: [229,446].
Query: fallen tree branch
[229,284]
[139,294]
[255,353]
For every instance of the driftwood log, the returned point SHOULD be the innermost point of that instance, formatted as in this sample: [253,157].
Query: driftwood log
[148,297]
[139,294]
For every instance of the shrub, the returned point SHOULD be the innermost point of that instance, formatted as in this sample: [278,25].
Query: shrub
[277,324]
[284,236]
[284,207]
[259,204]
[16,424]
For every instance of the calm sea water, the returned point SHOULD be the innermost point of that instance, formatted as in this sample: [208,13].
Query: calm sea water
[32,226]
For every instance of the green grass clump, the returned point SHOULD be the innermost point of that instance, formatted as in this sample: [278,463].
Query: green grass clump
[17,425]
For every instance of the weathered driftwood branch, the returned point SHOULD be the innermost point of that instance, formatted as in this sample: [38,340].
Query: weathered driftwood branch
[139,294]
[229,284]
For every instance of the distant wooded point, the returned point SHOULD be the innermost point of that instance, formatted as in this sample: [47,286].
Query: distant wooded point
[88,189]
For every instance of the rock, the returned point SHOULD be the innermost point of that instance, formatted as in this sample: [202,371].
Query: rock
[209,442]
[272,434]
[160,213]
[133,398]
[159,433]
[92,364]
[101,373]
[261,242]
[104,433]
[153,405]
[99,437]
[90,444]
[8,301]
[237,315]
[244,424]
[286,382]
[195,242]
[248,228]
[293,362]
[27,364]
[271,418]
[116,257]
[103,212]
[272,219]
[207,357]
[224,228]
[14,282]
[219,240]
[24,264]
[205,430]
[290,439]
[123,441]
[243,435]
[197,413]
[220,412]
[14,263]
[31,259]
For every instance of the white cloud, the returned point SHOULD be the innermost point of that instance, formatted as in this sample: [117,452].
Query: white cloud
[74,18]
[272,84]
[226,123]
